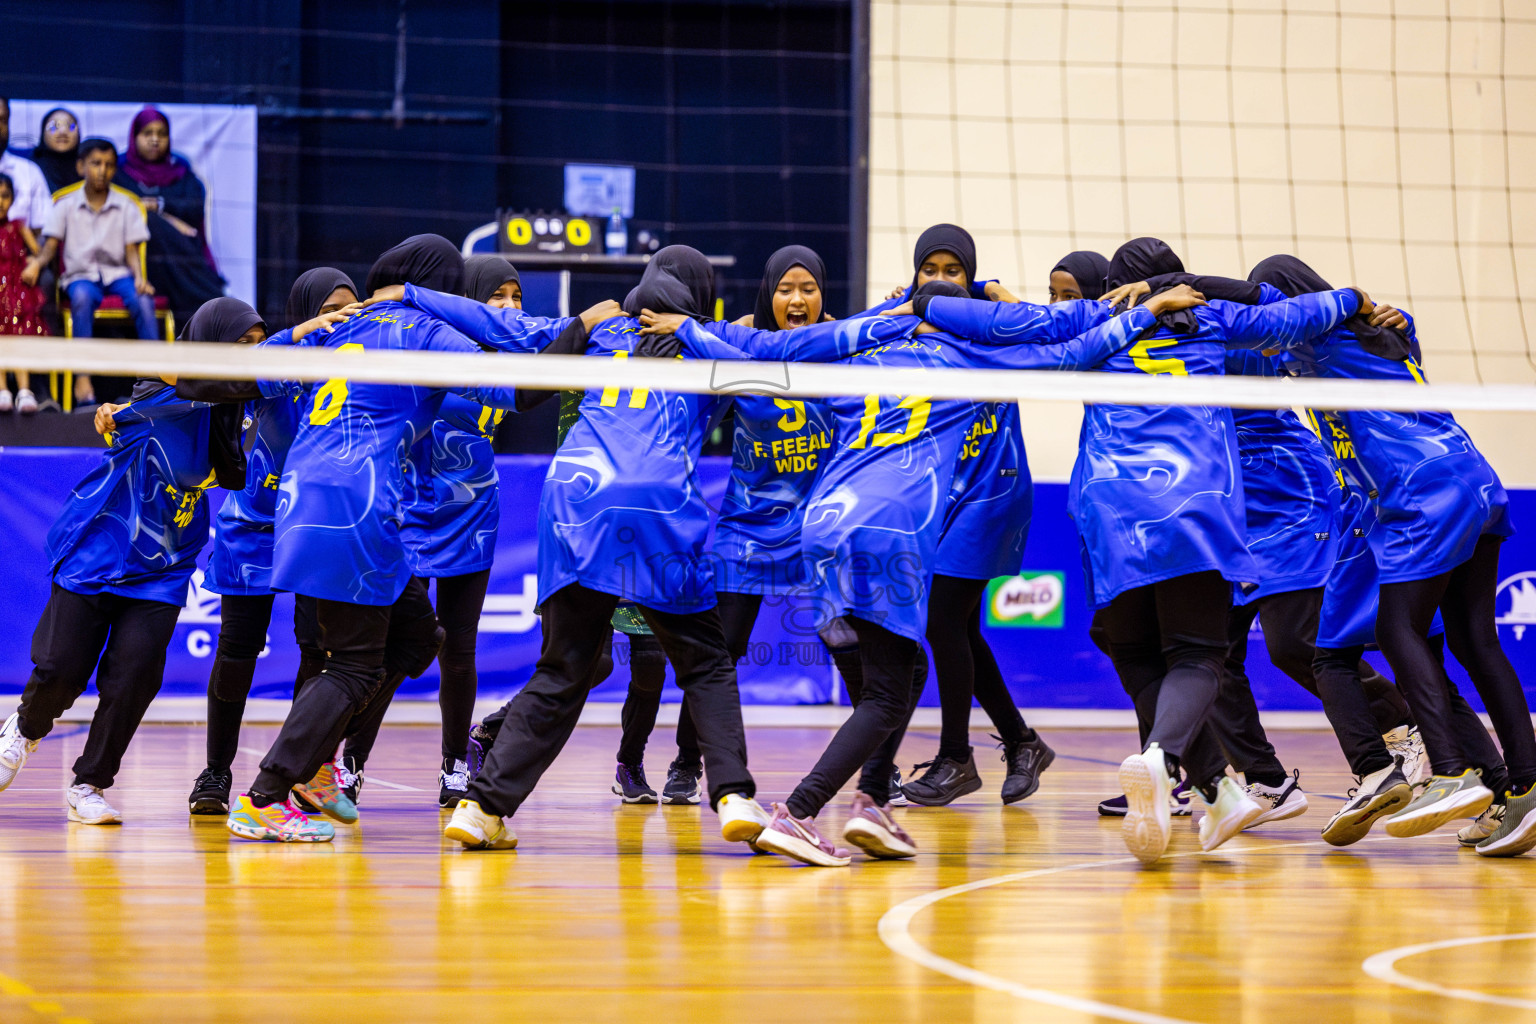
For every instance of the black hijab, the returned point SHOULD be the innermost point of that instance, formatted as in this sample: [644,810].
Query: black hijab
[779,264]
[427,261]
[224,320]
[484,274]
[945,238]
[311,290]
[58,168]
[1293,277]
[1088,269]
[1139,259]
[927,292]
[678,279]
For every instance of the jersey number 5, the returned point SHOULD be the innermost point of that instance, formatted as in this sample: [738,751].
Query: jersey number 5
[917,405]
[1147,363]
[331,395]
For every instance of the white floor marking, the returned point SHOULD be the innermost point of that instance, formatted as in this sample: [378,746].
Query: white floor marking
[372,780]
[1383,967]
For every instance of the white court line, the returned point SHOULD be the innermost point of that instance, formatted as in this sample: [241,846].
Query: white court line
[372,779]
[1382,967]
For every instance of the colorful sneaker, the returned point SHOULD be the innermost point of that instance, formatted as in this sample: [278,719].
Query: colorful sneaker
[277,822]
[1446,798]
[452,782]
[324,792]
[1277,804]
[1516,834]
[1407,744]
[478,830]
[89,807]
[791,837]
[480,743]
[742,819]
[349,778]
[945,781]
[304,806]
[1486,825]
[1378,794]
[898,797]
[1026,762]
[630,786]
[14,749]
[1234,810]
[1148,791]
[871,828]
[210,793]
[682,783]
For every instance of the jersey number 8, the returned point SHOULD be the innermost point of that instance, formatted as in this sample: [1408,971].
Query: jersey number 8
[331,395]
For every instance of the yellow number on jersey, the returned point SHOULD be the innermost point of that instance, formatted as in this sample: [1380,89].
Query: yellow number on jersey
[331,395]
[917,405]
[1145,362]
[796,418]
[637,397]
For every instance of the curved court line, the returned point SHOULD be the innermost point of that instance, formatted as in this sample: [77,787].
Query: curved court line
[1383,967]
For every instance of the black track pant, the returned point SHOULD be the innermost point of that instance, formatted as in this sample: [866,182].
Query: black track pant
[966,668]
[1465,597]
[1360,704]
[122,640]
[577,633]
[1168,641]
[369,650]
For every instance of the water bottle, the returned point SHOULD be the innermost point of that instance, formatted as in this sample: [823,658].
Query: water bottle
[616,240]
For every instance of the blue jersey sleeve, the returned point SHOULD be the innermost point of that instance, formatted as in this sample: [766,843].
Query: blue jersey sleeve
[506,330]
[1081,353]
[1015,323]
[1285,324]
[441,337]
[826,342]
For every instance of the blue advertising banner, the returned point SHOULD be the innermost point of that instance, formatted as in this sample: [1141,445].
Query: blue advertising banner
[1037,623]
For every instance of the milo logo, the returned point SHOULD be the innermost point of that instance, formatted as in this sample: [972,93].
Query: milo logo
[1030,599]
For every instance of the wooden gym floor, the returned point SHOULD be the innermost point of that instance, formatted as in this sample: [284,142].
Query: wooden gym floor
[609,913]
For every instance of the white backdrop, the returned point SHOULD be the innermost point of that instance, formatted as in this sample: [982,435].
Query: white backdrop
[220,142]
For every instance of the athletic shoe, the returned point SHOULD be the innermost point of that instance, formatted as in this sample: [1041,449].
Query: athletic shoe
[1148,792]
[945,781]
[210,793]
[1516,834]
[26,402]
[800,840]
[1486,825]
[1026,762]
[1447,798]
[871,828]
[629,785]
[1178,803]
[452,782]
[480,742]
[324,792]
[277,822]
[742,819]
[7,402]
[304,806]
[898,798]
[1407,744]
[349,778]
[1234,810]
[1378,794]
[14,749]
[1277,804]
[89,807]
[478,830]
[682,783]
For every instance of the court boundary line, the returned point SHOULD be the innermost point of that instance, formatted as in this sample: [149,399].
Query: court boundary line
[1383,967]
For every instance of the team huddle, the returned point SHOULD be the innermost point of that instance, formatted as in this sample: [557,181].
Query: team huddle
[888,513]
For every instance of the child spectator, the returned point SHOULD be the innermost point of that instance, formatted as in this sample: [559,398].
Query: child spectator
[100,228]
[21,305]
[32,192]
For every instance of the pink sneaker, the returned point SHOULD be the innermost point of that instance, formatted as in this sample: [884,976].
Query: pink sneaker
[792,837]
[872,829]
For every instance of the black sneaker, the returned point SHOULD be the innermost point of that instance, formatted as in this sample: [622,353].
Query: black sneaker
[1115,806]
[629,783]
[349,777]
[480,743]
[898,798]
[682,783]
[452,782]
[210,793]
[945,781]
[1026,762]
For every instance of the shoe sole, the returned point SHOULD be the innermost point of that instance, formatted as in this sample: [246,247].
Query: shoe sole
[105,819]
[877,841]
[799,849]
[970,786]
[1046,761]
[643,798]
[446,802]
[1346,830]
[1522,839]
[207,805]
[684,798]
[1145,833]
[309,796]
[741,830]
[1292,808]
[1227,829]
[264,834]
[478,842]
[6,780]
[1467,804]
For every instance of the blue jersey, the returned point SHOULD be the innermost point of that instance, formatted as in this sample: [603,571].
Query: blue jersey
[1435,493]
[874,517]
[135,524]
[339,505]
[991,499]
[451,509]
[241,559]
[1157,491]
[778,451]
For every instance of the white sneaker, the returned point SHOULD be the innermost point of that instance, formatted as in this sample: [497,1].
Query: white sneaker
[1233,811]
[26,402]
[1407,744]
[742,819]
[479,830]
[89,807]
[6,402]
[1148,821]
[14,749]
[1277,804]
[1484,826]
